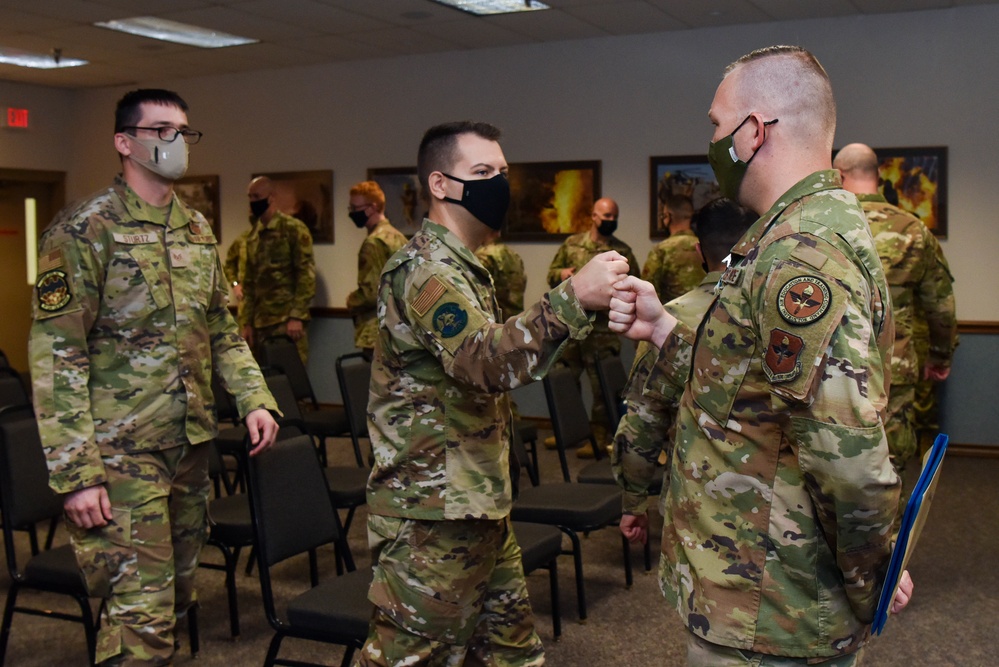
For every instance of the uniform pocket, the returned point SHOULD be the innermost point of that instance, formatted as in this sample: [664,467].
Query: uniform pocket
[725,349]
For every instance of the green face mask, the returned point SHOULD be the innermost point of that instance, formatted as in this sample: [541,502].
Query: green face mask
[728,168]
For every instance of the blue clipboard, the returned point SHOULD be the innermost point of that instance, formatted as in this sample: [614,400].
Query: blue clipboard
[913,519]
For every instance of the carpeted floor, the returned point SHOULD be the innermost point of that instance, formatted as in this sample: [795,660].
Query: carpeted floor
[951,621]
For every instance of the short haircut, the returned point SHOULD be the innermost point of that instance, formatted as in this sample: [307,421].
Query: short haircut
[680,205]
[719,225]
[788,83]
[858,160]
[128,113]
[439,147]
[370,191]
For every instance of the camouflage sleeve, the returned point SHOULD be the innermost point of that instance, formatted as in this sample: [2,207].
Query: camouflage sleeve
[60,361]
[475,350]
[305,265]
[231,355]
[822,368]
[371,259]
[642,433]
[935,293]
[652,271]
[559,262]
[249,302]
[232,262]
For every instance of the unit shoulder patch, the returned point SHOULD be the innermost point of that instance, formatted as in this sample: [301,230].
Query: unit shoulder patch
[53,291]
[782,361]
[803,300]
[450,319]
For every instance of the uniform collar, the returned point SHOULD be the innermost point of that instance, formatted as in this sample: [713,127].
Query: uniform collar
[872,197]
[139,209]
[444,235]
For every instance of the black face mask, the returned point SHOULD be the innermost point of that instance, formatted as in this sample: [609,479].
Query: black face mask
[486,199]
[359,218]
[607,227]
[259,207]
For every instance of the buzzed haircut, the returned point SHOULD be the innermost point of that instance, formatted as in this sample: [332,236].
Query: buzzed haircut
[439,147]
[788,83]
[857,160]
[371,191]
[680,205]
[128,114]
[719,225]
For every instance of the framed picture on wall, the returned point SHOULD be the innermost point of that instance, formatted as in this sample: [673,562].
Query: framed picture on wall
[404,207]
[689,175]
[915,180]
[551,200]
[202,194]
[308,196]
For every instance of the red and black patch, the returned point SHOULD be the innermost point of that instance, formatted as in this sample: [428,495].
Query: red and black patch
[803,300]
[782,362]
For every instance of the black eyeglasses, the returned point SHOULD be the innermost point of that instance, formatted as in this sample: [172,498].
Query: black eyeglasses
[169,134]
[353,209]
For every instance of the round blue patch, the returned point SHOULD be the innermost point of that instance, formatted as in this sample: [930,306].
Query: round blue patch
[450,320]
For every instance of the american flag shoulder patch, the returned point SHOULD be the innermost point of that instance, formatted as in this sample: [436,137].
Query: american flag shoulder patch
[428,295]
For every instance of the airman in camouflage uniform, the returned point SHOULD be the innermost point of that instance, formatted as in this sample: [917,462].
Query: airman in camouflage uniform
[582,355]
[235,267]
[674,265]
[645,435]
[280,279]
[129,319]
[367,209]
[920,282]
[507,271]
[448,582]
[781,499]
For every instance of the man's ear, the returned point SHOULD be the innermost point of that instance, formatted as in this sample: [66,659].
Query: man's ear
[436,185]
[122,144]
[760,127]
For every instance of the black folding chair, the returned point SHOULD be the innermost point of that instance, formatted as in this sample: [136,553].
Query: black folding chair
[293,515]
[353,372]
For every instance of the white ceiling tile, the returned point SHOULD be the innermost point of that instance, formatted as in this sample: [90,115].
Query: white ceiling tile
[75,11]
[708,13]
[789,10]
[888,6]
[240,23]
[474,33]
[399,12]
[625,18]
[315,15]
[547,26]
[405,40]
[341,48]
[15,21]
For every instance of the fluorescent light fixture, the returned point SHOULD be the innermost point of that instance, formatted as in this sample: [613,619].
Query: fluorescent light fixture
[37,60]
[486,7]
[31,237]
[172,31]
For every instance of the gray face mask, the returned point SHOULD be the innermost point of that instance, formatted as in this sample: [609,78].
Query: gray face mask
[166,158]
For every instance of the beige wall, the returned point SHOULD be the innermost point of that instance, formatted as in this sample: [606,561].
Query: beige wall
[922,78]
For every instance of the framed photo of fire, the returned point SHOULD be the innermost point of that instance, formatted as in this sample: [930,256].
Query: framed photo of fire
[551,200]
[915,180]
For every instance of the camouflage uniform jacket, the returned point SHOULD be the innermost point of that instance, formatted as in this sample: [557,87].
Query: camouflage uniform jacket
[576,251]
[235,259]
[647,427]
[438,411]
[509,279]
[130,315]
[920,281]
[380,244]
[280,278]
[674,265]
[782,496]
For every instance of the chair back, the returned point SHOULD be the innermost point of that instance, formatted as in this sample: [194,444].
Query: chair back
[12,390]
[284,395]
[290,506]
[281,353]
[355,381]
[570,421]
[613,381]
[25,496]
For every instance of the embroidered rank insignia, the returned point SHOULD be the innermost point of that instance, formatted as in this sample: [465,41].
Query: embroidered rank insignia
[431,291]
[782,362]
[53,291]
[450,320]
[732,276]
[803,300]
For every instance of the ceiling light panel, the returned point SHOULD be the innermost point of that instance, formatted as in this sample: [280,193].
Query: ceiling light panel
[52,60]
[176,32]
[490,7]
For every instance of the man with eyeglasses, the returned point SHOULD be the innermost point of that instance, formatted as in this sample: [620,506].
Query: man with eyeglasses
[130,317]
[367,209]
[280,278]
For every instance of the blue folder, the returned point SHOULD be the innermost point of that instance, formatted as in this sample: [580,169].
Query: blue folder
[913,519]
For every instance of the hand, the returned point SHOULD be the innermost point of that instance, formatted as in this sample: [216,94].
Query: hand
[636,313]
[594,283]
[904,593]
[237,293]
[635,527]
[935,372]
[294,329]
[89,507]
[567,273]
[248,335]
[263,430]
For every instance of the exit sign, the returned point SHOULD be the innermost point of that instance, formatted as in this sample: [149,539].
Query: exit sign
[17,117]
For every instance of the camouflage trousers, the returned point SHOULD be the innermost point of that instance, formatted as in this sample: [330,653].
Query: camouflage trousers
[580,355]
[927,413]
[448,593]
[900,431]
[261,335]
[143,562]
[702,653]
